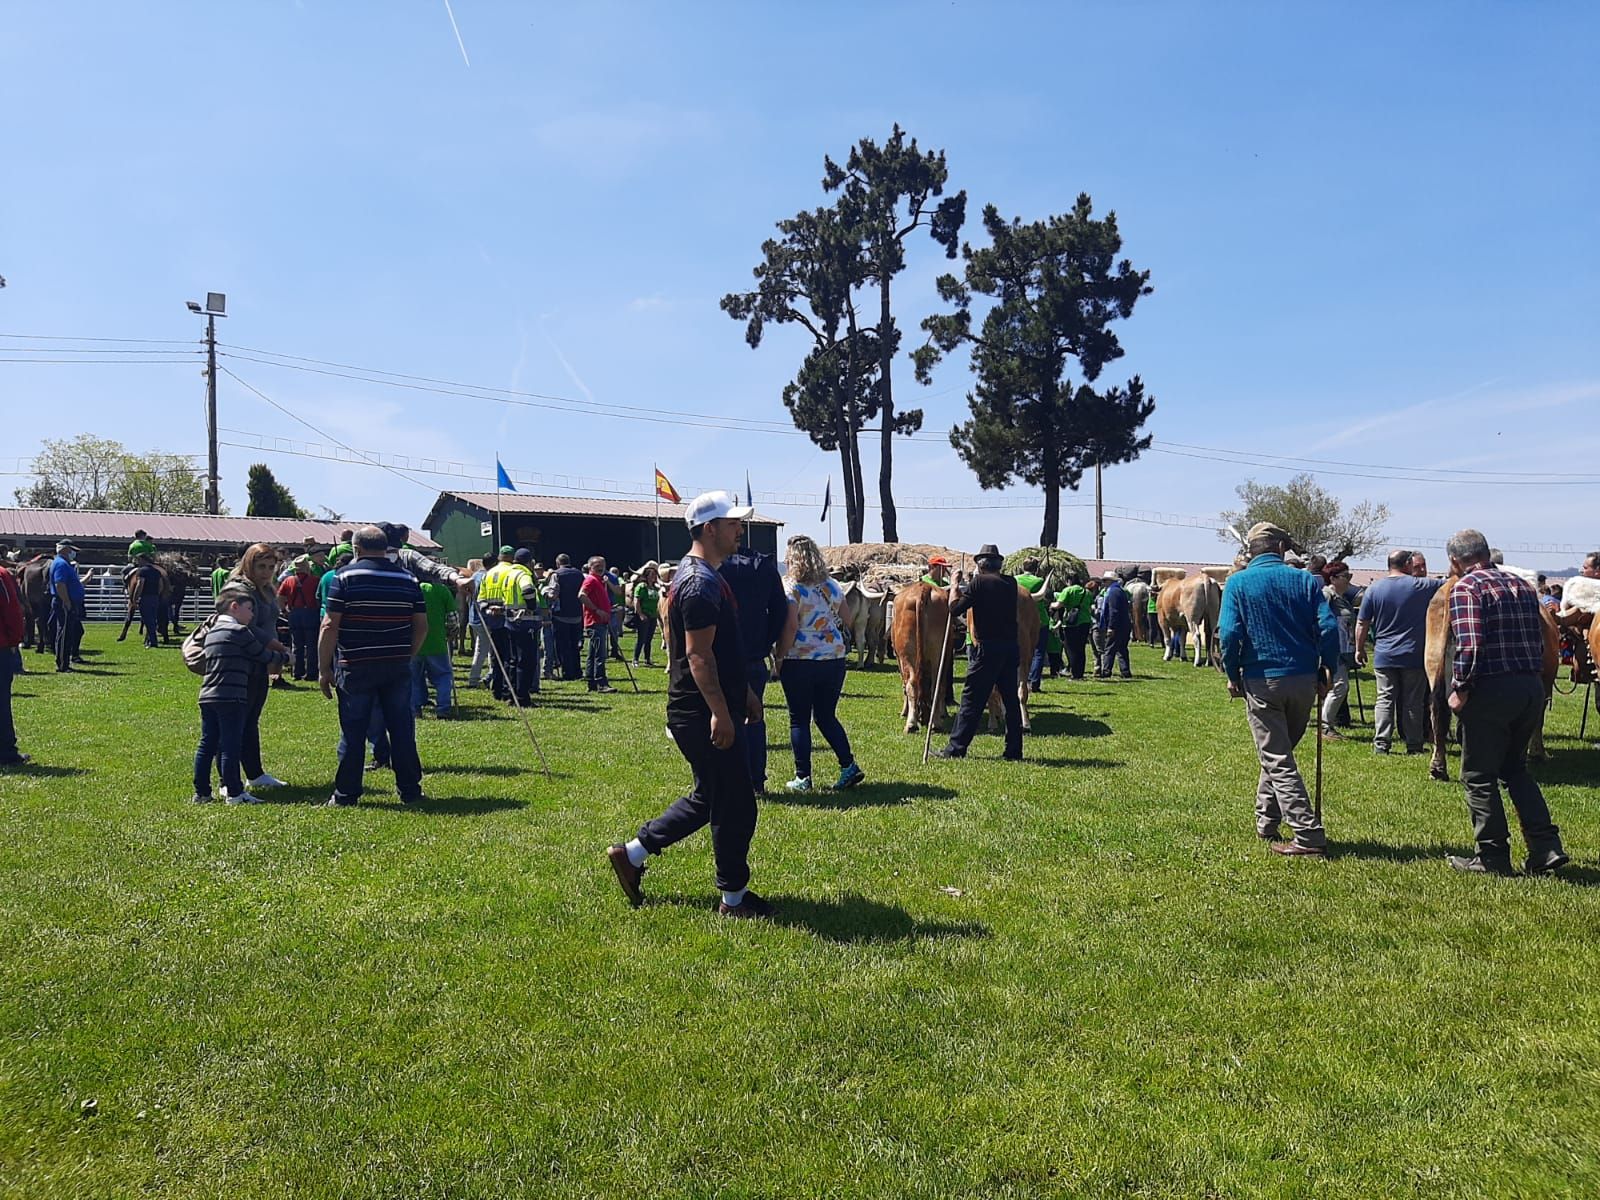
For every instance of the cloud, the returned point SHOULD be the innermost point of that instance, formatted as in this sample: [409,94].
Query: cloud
[610,141]
[648,303]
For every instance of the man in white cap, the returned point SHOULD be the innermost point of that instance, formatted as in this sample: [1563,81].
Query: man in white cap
[708,703]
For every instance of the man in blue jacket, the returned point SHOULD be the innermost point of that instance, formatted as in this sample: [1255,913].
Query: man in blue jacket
[1280,645]
[1114,620]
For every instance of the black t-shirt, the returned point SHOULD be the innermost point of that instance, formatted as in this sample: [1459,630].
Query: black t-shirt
[701,599]
[992,599]
[150,577]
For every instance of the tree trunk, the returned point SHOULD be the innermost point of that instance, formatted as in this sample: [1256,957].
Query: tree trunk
[855,510]
[1050,475]
[1051,533]
[891,524]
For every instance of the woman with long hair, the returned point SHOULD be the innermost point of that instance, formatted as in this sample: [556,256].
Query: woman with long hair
[256,573]
[809,662]
[647,609]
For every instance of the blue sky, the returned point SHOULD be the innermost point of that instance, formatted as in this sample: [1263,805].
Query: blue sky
[1371,230]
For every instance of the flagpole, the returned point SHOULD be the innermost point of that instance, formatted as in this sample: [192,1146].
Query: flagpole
[499,502]
[655,494]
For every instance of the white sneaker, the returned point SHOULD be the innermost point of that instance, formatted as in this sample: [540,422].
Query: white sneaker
[266,781]
[245,798]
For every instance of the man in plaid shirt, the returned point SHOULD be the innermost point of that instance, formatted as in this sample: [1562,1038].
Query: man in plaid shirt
[1496,691]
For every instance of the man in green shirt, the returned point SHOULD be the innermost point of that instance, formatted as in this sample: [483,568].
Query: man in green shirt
[1074,607]
[219,576]
[432,663]
[141,544]
[1152,624]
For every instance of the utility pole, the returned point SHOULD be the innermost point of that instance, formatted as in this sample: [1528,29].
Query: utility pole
[1099,517]
[216,306]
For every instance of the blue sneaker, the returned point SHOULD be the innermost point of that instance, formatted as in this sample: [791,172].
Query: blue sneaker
[798,785]
[849,777]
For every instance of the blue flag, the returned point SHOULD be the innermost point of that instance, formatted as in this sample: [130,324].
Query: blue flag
[503,480]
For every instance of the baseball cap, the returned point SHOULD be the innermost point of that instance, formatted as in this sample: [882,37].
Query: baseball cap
[524,555]
[507,551]
[714,506]
[1263,529]
[938,560]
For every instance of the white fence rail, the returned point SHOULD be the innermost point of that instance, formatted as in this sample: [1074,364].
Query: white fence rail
[106,600]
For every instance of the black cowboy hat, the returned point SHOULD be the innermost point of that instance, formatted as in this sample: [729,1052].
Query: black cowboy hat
[988,552]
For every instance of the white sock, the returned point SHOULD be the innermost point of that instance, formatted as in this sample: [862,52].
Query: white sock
[636,852]
[734,899]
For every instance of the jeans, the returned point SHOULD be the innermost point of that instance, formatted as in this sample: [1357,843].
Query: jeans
[599,639]
[755,733]
[523,637]
[722,797]
[377,738]
[1076,640]
[616,632]
[10,665]
[811,689]
[552,652]
[1338,692]
[1407,689]
[221,732]
[644,644]
[569,638]
[304,627]
[1278,711]
[250,741]
[359,700]
[480,655]
[1036,663]
[1500,716]
[150,619]
[1115,653]
[434,670]
[989,665]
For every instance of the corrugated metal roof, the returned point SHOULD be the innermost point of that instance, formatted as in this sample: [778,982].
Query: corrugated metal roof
[576,506]
[186,529]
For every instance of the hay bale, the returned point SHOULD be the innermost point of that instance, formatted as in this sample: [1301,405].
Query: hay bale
[1053,561]
[896,562]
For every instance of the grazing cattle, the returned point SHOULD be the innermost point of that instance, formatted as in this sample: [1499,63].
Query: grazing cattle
[865,614]
[1438,660]
[1194,605]
[1139,598]
[1028,633]
[921,627]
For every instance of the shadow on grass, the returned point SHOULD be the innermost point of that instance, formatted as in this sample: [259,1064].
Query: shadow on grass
[1391,852]
[484,769]
[1051,722]
[849,919]
[464,806]
[1052,760]
[1574,766]
[863,795]
[42,769]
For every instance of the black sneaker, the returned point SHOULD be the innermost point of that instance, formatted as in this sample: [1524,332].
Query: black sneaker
[1542,862]
[604,689]
[419,798]
[374,765]
[949,752]
[751,906]
[1478,865]
[338,801]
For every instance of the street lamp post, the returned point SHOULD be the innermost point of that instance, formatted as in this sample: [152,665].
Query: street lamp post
[216,306]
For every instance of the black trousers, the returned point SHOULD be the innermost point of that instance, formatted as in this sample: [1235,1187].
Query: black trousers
[722,798]
[1115,653]
[1075,638]
[524,663]
[69,635]
[150,617]
[989,665]
[1501,713]
[250,742]
[569,640]
[500,680]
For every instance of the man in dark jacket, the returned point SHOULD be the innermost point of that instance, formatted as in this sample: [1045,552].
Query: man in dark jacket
[991,598]
[758,589]
[568,611]
[1115,622]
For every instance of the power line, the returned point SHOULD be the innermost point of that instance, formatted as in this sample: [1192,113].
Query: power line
[1252,462]
[101,362]
[1373,466]
[59,337]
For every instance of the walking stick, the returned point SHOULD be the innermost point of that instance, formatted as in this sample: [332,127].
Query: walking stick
[938,683]
[1584,723]
[628,667]
[506,675]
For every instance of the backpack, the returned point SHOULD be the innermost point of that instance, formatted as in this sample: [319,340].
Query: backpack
[193,648]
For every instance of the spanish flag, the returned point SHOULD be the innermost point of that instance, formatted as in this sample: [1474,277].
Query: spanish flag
[665,490]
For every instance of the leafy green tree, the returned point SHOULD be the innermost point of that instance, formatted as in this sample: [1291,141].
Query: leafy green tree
[891,191]
[805,278]
[1057,287]
[89,472]
[268,497]
[1313,515]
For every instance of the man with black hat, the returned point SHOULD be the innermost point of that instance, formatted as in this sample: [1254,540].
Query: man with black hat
[1280,646]
[992,658]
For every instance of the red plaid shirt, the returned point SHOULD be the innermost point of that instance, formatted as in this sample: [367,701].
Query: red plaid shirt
[1495,618]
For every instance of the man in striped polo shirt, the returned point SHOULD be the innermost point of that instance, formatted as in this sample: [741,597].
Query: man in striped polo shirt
[376,621]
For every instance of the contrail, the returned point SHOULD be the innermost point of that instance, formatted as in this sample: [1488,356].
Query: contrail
[451,12]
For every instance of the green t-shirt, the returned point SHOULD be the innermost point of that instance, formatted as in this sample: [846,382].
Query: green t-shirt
[1077,605]
[219,580]
[1151,606]
[322,590]
[1031,584]
[441,602]
[649,599]
[140,546]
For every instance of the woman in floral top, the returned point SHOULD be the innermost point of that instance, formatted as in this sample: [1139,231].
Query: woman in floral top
[809,662]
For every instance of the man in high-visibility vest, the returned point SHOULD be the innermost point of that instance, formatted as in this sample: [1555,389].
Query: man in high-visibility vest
[509,597]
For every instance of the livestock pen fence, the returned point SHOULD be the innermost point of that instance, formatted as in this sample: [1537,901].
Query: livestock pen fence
[106,599]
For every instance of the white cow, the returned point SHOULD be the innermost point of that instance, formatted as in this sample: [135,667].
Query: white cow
[865,613]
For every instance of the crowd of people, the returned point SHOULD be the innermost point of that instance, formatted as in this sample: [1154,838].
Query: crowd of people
[373,623]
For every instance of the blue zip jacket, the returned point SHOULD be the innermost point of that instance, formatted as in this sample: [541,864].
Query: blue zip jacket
[1116,609]
[1275,621]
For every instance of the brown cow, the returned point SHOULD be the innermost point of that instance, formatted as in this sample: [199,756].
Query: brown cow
[921,625]
[1192,605]
[1027,641]
[1439,656]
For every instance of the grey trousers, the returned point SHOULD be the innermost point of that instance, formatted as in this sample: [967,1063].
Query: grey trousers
[1501,713]
[1279,711]
[1405,688]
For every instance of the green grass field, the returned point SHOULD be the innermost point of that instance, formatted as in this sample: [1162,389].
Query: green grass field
[1080,976]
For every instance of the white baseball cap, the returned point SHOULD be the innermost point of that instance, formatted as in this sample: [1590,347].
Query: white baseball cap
[713,506]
